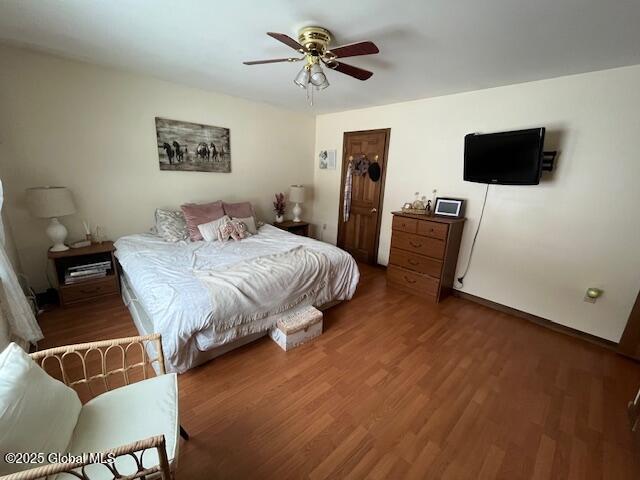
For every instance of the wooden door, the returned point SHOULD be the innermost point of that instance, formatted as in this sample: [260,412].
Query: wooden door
[359,235]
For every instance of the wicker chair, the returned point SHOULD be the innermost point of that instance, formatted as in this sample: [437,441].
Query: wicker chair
[92,369]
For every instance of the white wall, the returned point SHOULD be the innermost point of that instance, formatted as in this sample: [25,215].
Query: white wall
[541,246]
[92,129]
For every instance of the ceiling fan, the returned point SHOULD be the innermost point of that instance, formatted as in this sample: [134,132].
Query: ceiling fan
[313,44]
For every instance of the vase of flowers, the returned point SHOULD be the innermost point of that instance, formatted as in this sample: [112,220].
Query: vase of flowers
[279,206]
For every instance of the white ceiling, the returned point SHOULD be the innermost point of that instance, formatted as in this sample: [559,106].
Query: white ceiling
[427,47]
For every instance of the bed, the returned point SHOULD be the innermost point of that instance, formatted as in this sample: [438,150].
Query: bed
[161,288]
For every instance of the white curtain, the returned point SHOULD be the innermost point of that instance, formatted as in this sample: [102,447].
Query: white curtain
[17,322]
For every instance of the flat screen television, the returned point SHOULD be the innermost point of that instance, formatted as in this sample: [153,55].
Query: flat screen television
[506,158]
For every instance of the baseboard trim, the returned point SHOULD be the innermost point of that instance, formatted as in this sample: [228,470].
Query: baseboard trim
[608,344]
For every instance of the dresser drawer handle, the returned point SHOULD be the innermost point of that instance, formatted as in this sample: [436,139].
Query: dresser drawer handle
[415,245]
[408,280]
[413,262]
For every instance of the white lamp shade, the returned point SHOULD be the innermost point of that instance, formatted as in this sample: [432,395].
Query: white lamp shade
[50,202]
[296,194]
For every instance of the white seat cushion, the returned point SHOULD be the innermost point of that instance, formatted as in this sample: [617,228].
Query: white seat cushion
[128,414]
[37,412]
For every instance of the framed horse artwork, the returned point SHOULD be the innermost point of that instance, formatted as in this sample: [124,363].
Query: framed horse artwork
[191,147]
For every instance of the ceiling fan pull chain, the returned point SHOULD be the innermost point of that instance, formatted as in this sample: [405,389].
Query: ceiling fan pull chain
[309,90]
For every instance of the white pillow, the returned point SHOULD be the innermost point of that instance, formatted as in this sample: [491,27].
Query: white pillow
[250,222]
[37,412]
[209,231]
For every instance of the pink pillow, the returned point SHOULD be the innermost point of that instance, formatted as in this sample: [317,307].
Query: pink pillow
[238,210]
[196,215]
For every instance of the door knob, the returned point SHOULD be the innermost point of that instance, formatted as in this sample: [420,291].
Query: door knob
[374,210]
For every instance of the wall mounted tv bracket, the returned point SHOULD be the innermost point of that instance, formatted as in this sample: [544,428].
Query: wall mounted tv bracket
[548,160]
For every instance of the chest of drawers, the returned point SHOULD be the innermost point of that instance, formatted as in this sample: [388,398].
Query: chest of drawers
[424,254]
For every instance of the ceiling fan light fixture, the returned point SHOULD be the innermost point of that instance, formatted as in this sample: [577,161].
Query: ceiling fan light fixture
[323,85]
[302,79]
[314,44]
[318,77]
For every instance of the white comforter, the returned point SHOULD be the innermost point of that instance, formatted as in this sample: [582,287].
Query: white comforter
[163,276]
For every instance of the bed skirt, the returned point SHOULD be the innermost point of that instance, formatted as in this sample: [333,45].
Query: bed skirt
[144,325]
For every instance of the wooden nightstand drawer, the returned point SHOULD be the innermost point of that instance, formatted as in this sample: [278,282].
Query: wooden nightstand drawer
[433,229]
[86,273]
[415,262]
[403,224]
[297,228]
[89,289]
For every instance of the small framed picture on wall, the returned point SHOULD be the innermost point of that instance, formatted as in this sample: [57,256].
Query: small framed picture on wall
[327,160]
[449,207]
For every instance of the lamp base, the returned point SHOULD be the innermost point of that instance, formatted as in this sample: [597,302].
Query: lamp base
[57,232]
[297,211]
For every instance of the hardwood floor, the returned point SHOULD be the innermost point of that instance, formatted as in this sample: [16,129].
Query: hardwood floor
[397,387]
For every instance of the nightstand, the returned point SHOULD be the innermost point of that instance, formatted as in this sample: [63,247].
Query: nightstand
[79,272]
[299,228]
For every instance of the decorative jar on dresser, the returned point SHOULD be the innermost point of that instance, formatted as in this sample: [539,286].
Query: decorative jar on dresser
[424,254]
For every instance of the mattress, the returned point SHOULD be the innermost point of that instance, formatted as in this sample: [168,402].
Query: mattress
[180,306]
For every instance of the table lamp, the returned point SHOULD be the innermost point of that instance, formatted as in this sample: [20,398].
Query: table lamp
[296,195]
[52,202]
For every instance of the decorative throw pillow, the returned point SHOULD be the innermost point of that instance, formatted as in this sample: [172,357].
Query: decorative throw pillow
[37,412]
[171,225]
[250,222]
[209,231]
[239,210]
[241,230]
[196,215]
[232,229]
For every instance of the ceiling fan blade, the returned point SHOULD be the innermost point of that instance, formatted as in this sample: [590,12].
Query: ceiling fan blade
[350,70]
[287,40]
[354,49]
[274,60]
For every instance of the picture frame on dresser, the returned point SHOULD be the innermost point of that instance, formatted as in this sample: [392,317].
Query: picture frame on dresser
[449,207]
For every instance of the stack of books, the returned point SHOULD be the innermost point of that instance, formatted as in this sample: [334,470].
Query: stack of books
[80,273]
